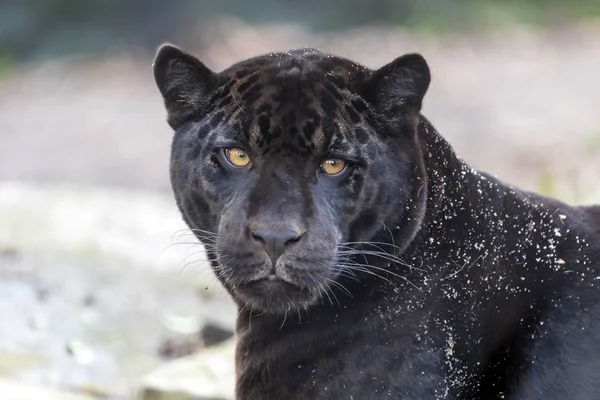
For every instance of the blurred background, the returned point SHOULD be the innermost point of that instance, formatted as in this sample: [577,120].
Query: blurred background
[103,294]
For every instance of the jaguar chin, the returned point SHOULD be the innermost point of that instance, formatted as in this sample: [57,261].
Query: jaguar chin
[276,295]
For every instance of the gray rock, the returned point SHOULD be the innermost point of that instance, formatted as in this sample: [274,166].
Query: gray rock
[209,375]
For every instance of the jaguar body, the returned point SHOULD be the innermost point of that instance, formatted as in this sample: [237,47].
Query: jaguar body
[367,259]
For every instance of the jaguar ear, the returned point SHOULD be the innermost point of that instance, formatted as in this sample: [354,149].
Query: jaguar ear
[184,82]
[399,85]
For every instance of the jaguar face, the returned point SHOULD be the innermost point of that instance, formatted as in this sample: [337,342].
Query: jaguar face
[285,165]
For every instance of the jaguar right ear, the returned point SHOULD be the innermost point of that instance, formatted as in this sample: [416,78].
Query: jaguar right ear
[184,82]
[399,85]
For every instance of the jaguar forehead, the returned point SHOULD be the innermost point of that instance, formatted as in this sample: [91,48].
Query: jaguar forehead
[279,117]
[295,102]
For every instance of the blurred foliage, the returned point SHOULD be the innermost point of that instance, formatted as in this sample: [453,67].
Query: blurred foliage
[31,29]
[548,183]
[6,63]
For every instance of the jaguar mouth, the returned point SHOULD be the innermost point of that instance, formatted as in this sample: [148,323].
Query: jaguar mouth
[274,285]
[274,294]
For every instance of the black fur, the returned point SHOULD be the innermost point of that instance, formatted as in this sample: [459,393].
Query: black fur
[410,275]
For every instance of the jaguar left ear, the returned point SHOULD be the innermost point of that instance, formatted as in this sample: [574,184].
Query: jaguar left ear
[184,82]
[399,85]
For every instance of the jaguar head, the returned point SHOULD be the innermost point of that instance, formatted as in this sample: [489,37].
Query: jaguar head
[286,165]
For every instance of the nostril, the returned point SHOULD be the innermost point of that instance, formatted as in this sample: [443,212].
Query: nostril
[257,237]
[292,236]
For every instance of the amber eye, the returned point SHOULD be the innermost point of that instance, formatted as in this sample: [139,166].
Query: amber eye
[333,166]
[237,157]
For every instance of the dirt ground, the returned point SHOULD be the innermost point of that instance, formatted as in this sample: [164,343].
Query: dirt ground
[520,104]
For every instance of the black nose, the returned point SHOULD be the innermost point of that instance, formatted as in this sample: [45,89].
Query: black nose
[275,240]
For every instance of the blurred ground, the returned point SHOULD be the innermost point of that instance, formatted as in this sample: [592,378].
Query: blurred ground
[520,104]
[92,281]
[86,296]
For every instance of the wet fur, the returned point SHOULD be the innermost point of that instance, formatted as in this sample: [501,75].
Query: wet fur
[419,277]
